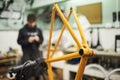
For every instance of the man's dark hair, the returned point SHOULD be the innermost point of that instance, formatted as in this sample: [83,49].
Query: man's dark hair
[31,17]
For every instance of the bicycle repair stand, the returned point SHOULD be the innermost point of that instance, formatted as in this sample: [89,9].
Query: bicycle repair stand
[28,69]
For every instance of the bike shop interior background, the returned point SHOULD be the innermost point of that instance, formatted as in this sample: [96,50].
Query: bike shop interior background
[100,20]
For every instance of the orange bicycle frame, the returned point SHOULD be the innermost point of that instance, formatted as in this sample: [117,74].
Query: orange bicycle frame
[84,51]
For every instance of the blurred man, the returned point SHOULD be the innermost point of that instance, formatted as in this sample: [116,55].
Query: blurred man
[30,37]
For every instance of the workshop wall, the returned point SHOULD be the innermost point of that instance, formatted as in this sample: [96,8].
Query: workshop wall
[9,33]
[108,7]
[107,39]
[8,39]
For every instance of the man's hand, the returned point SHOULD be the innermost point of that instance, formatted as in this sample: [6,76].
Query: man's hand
[36,38]
[31,39]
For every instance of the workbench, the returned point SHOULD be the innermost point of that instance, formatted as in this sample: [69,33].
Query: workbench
[7,59]
[92,71]
[5,63]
